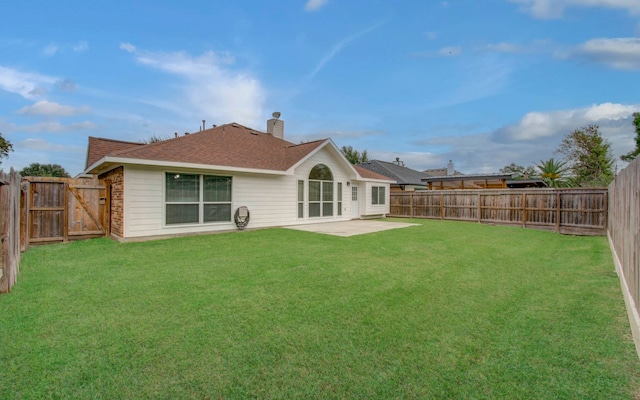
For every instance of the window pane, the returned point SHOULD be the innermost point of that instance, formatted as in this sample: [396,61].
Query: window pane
[374,195]
[217,212]
[327,209]
[216,188]
[381,195]
[182,213]
[314,209]
[300,210]
[321,172]
[327,191]
[300,190]
[182,188]
[314,191]
[354,193]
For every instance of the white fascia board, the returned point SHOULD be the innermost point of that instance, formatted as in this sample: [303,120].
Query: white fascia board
[327,142]
[175,164]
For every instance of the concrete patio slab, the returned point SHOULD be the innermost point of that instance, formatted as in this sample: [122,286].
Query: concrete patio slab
[350,228]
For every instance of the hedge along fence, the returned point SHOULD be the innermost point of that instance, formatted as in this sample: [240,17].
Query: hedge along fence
[9,229]
[568,211]
[624,238]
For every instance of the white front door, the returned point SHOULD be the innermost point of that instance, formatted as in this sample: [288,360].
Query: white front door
[355,209]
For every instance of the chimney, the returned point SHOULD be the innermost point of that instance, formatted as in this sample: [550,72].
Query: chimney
[450,168]
[275,126]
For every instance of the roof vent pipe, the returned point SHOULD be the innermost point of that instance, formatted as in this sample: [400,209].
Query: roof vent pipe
[203,124]
[175,134]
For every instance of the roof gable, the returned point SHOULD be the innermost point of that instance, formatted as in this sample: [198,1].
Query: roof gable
[100,147]
[229,145]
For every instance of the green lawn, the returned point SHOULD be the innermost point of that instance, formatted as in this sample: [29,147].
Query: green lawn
[440,310]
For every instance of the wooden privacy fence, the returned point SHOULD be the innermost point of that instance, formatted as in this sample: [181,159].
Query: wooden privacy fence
[624,238]
[9,229]
[568,211]
[63,209]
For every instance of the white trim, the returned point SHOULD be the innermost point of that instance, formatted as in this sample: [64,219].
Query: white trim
[201,203]
[175,164]
[632,311]
[322,146]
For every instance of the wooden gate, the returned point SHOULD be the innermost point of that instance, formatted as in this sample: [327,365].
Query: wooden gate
[63,209]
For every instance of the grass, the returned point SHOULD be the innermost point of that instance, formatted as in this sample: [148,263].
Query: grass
[440,310]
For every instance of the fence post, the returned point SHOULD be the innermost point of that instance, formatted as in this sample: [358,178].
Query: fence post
[442,205]
[524,210]
[558,211]
[411,205]
[479,208]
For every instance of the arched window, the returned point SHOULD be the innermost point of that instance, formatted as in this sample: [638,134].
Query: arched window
[320,191]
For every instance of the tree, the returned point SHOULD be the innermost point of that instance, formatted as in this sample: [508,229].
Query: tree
[155,139]
[630,156]
[5,148]
[554,173]
[354,156]
[589,156]
[48,170]
[518,171]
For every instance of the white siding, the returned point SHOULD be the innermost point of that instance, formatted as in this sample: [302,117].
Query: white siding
[341,173]
[371,209]
[272,200]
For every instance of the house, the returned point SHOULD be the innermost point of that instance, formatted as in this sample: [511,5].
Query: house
[406,179]
[194,183]
[449,179]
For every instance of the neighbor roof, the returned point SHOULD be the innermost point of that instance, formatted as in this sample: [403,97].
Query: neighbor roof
[402,175]
[440,172]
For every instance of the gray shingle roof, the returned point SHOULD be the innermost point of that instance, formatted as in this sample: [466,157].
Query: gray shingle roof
[402,175]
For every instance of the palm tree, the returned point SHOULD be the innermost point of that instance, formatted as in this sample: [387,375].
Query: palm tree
[554,173]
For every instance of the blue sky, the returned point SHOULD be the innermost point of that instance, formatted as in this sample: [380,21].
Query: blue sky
[484,83]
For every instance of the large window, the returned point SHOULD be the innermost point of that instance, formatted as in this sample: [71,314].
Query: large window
[320,191]
[300,199]
[339,198]
[197,199]
[378,195]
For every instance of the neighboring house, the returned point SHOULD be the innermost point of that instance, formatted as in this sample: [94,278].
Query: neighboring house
[406,179]
[448,178]
[469,181]
[196,182]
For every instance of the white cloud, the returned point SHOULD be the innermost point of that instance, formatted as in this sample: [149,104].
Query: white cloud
[618,53]
[52,109]
[538,125]
[339,46]
[26,84]
[55,127]
[504,47]
[431,35]
[50,50]
[535,137]
[128,47]
[53,49]
[549,9]
[80,46]
[334,135]
[315,5]
[27,151]
[211,87]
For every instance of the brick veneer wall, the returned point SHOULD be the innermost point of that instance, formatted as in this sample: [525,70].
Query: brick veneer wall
[115,180]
